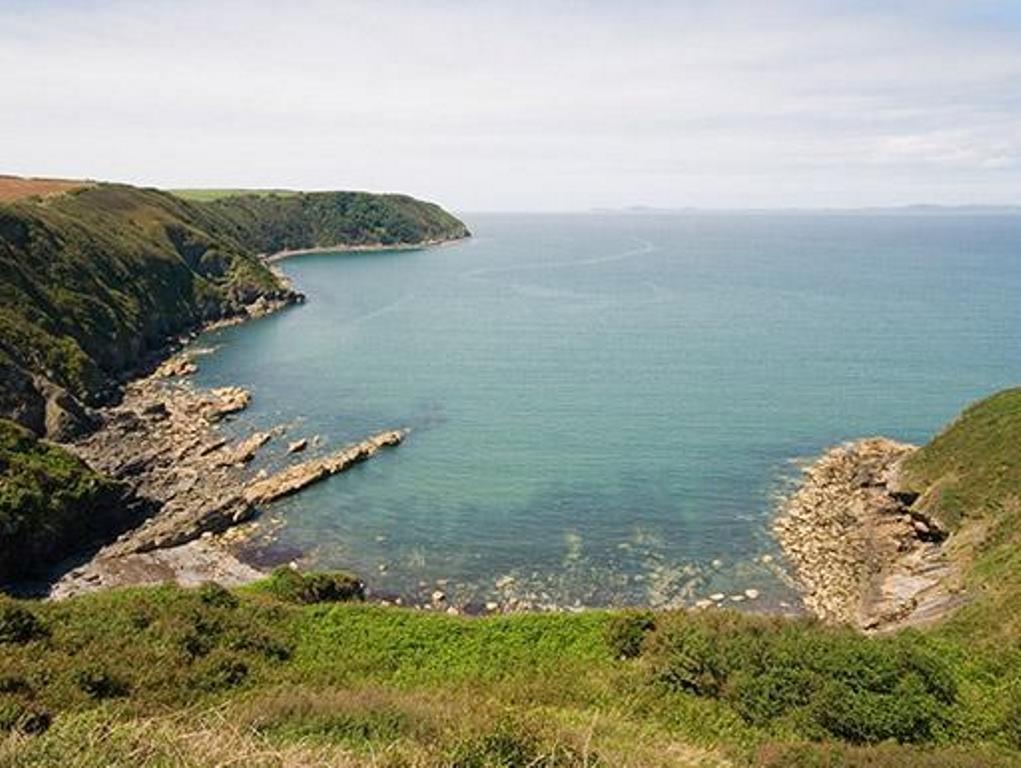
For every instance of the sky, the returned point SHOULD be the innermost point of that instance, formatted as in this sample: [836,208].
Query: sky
[543,106]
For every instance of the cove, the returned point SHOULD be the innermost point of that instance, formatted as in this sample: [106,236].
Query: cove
[604,407]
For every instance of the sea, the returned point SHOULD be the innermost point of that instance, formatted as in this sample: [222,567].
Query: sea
[607,408]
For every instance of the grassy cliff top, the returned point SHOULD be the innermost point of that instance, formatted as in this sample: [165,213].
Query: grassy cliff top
[970,480]
[205,195]
[18,187]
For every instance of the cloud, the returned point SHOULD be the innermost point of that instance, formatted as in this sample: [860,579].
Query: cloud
[556,105]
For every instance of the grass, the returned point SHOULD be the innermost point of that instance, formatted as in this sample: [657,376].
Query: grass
[970,479]
[206,195]
[120,673]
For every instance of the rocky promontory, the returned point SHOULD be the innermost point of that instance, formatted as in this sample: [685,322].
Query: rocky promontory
[861,552]
[163,442]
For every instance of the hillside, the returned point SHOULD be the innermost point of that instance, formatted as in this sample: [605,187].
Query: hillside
[969,478]
[269,222]
[51,503]
[94,280]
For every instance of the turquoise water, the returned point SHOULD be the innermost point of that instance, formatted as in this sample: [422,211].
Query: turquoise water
[604,405]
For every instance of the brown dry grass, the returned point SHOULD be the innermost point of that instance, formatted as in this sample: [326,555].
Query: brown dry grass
[16,187]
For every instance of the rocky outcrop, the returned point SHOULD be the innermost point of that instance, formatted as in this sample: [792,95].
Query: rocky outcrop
[302,475]
[163,442]
[245,451]
[861,553]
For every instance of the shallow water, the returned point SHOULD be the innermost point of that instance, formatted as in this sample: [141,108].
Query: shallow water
[604,406]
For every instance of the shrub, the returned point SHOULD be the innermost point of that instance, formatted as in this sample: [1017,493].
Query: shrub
[626,631]
[98,684]
[509,744]
[818,681]
[215,595]
[329,587]
[18,624]
[220,670]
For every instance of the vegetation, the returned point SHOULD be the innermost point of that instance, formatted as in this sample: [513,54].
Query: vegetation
[205,195]
[94,279]
[273,222]
[969,478]
[201,673]
[51,503]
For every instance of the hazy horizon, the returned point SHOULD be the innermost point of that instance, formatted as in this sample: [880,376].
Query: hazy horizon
[559,107]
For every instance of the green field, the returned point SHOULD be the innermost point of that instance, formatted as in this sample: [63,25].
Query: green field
[205,195]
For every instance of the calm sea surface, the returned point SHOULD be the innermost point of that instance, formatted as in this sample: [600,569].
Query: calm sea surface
[605,406]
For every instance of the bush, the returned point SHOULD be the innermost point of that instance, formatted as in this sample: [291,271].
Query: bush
[220,670]
[626,631]
[510,744]
[18,624]
[329,587]
[215,595]
[98,684]
[816,681]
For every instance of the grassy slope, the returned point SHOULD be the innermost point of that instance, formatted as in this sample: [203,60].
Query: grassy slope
[205,675]
[93,279]
[970,478]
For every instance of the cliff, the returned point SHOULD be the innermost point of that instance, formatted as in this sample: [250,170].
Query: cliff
[93,280]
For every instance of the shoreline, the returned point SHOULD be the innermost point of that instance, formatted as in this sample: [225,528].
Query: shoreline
[276,256]
[832,529]
[163,441]
[160,474]
[861,553]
